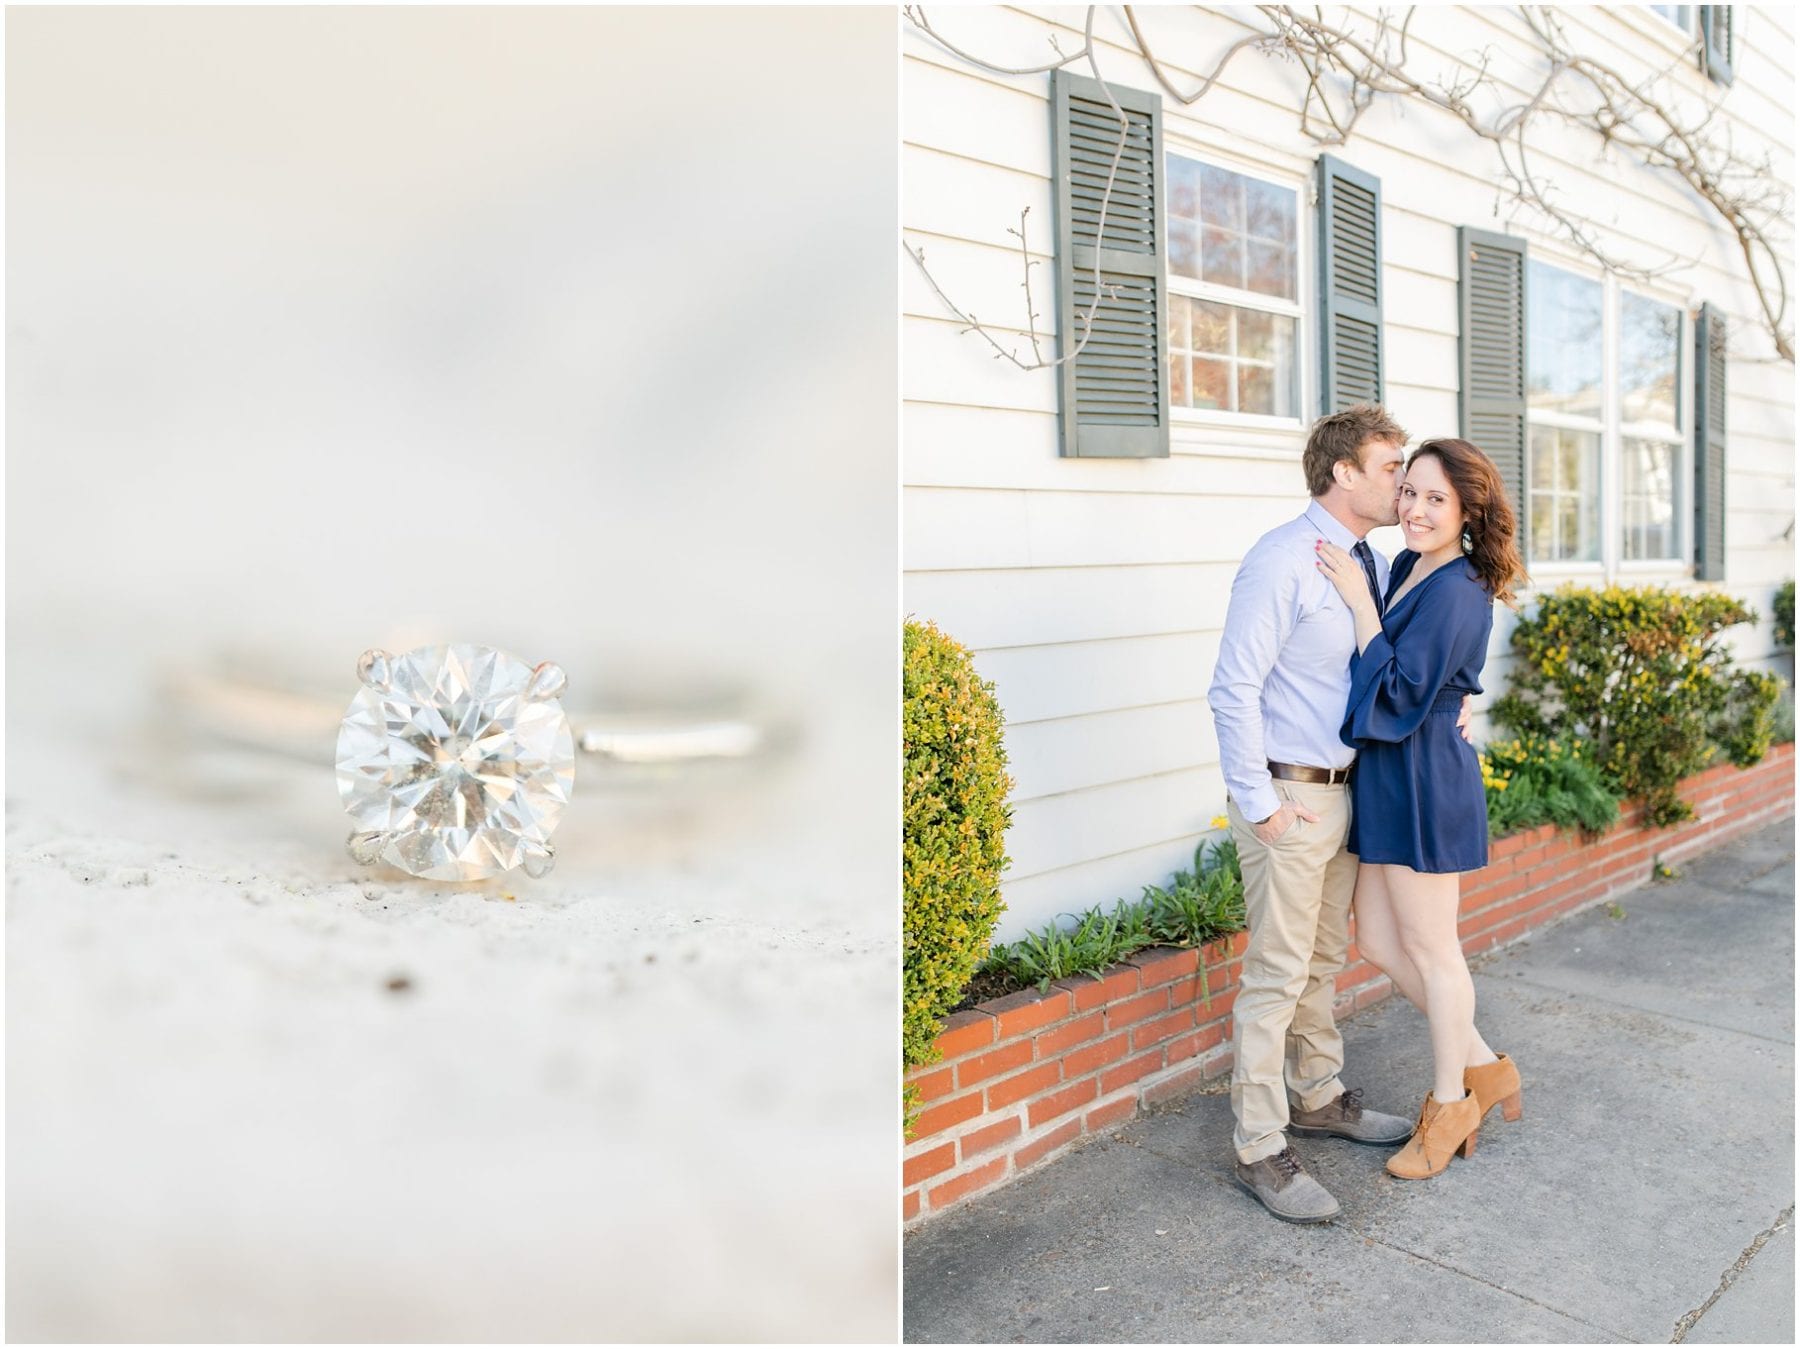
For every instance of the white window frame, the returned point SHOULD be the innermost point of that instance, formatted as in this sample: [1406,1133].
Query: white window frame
[1184,419]
[1566,568]
[1680,437]
[1612,562]
[1687,30]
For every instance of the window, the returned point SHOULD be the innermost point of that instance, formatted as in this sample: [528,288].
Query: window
[1682,16]
[1234,302]
[1650,426]
[1564,394]
[1606,446]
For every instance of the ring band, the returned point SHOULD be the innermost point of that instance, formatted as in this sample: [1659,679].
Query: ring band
[297,726]
[455,761]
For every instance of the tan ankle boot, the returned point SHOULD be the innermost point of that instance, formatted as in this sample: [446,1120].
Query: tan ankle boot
[1442,1130]
[1495,1084]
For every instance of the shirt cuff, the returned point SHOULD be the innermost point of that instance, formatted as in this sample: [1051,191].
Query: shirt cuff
[1258,805]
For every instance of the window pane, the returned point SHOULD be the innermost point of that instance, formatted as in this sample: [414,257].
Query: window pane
[1232,230]
[1256,335]
[1271,270]
[1212,327]
[1543,526]
[1543,456]
[1269,220]
[1178,323]
[1239,360]
[1221,197]
[1184,247]
[1565,331]
[1650,498]
[1256,388]
[1184,189]
[1222,258]
[1268,211]
[1212,383]
[1649,337]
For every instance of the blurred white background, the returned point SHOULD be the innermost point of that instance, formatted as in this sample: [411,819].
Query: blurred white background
[566,330]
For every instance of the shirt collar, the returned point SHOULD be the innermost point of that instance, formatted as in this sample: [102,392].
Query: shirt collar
[1330,526]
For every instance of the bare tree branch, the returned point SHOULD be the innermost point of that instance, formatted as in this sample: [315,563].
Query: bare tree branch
[1345,70]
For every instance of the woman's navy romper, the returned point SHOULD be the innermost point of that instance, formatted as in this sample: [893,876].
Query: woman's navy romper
[1416,793]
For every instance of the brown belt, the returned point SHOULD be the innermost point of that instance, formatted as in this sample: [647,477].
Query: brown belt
[1301,773]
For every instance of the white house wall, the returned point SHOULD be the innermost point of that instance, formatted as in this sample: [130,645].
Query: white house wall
[1093,591]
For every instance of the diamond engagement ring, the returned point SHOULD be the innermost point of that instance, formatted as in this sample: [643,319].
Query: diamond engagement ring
[454,762]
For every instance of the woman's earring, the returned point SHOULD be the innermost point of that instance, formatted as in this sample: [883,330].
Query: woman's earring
[1468,542]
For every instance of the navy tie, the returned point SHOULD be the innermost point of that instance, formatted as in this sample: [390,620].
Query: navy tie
[1366,556]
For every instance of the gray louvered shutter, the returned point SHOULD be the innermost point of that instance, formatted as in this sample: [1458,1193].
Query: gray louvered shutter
[1491,347]
[1709,445]
[1350,368]
[1115,393]
[1718,42]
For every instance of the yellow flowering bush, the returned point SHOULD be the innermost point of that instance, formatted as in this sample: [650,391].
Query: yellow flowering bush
[1640,676]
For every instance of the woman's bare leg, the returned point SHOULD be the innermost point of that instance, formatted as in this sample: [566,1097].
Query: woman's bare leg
[1424,909]
[1378,941]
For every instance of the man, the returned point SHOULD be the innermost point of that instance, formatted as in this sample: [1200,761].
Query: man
[1278,698]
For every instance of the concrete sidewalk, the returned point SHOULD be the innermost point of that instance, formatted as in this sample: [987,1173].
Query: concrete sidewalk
[1647,1194]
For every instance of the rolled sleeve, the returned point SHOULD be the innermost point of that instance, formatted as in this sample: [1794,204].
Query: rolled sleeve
[1393,685]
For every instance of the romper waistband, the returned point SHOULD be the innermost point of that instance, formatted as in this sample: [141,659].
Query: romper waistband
[1448,700]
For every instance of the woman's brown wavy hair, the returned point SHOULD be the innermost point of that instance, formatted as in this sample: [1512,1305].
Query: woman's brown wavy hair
[1490,524]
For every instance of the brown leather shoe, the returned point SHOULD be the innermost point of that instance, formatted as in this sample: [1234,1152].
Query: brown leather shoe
[1495,1084]
[1442,1130]
[1346,1117]
[1281,1185]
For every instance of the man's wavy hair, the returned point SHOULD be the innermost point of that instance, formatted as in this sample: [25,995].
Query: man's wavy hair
[1490,524]
[1339,438]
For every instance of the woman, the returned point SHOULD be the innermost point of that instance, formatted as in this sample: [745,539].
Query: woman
[1418,807]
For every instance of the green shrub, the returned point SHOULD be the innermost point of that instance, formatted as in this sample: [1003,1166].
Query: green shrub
[1745,726]
[1784,616]
[1783,731]
[1637,674]
[954,834]
[1196,907]
[1533,780]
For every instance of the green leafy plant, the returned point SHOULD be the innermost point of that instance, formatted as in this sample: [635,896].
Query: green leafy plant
[1745,727]
[955,815]
[1782,732]
[1196,907]
[1534,779]
[1784,616]
[1641,677]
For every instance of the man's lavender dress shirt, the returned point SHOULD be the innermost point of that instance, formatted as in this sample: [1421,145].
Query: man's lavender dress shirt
[1283,675]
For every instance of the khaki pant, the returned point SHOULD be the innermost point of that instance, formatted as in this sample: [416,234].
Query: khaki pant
[1297,894]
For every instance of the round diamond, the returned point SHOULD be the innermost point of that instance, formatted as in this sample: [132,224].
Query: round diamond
[459,771]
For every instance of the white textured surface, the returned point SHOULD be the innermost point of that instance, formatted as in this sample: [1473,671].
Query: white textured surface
[644,1098]
[507,324]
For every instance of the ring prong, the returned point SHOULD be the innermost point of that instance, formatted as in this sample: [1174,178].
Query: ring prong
[365,847]
[547,681]
[539,858]
[374,668]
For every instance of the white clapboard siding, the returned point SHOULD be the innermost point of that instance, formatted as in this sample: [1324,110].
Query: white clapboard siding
[1041,606]
[1073,679]
[1093,592]
[1069,754]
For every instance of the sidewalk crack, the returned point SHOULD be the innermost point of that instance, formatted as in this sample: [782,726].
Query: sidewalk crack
[1489,1283]
[1687,1323]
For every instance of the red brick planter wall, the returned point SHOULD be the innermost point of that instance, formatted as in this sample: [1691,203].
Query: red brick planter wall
[1025,1077]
